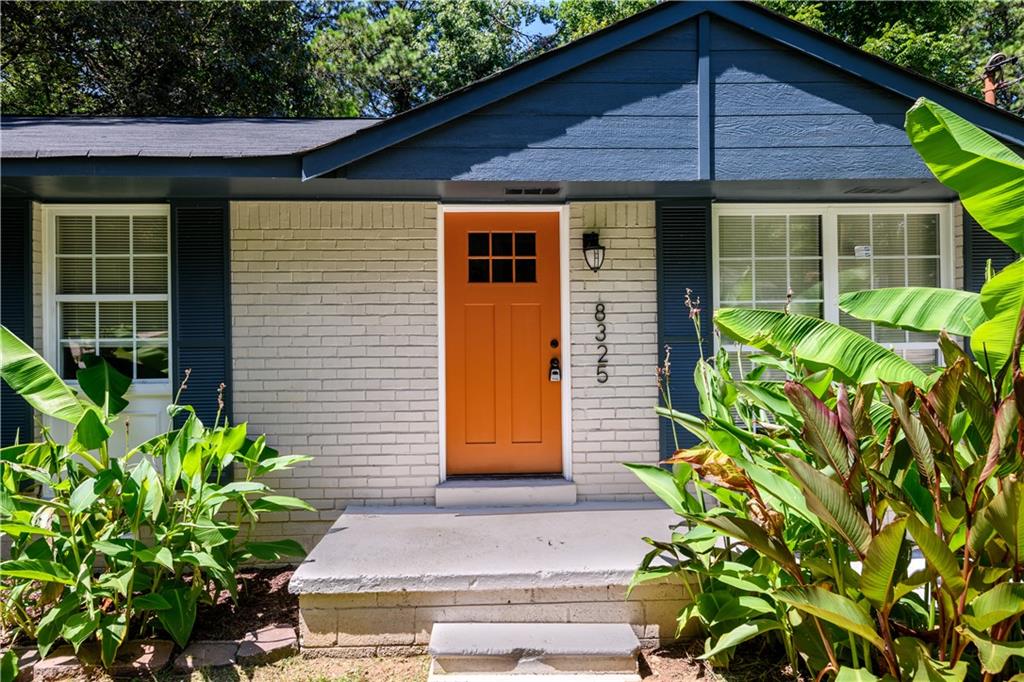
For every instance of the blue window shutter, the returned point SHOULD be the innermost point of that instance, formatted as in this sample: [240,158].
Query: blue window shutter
[201,304]
[684,261]
[979,248]
[15,308]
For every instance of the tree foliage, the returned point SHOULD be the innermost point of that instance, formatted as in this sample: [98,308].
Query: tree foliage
[214,58]
[386,57]
[327,58]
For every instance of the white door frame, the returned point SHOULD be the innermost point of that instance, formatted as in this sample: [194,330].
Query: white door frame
[565,346]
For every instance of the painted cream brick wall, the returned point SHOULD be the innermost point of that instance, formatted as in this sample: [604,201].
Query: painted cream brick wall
[334,310]
[614,422]
[958,245]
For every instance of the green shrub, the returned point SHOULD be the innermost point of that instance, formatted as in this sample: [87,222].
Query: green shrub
[868,515]
[112,547]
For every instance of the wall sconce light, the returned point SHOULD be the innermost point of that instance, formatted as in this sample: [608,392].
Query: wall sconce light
[593,252]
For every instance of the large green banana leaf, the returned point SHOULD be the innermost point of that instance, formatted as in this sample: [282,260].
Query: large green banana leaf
[988,176]
[1002,298]
[35,381]
[818,344]
[919,309]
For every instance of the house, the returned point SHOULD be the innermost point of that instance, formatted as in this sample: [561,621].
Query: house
[408,300]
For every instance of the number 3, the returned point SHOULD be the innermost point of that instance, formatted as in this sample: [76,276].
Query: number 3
[601,336]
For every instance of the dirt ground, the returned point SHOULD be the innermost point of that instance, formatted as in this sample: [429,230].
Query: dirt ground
[674,664]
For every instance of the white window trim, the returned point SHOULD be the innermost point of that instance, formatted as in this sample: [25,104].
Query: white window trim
[829,213]
[140,387]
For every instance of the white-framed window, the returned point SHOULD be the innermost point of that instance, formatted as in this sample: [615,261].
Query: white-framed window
[819,251]
[107,290]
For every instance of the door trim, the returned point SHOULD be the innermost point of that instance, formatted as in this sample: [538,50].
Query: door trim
[564,309]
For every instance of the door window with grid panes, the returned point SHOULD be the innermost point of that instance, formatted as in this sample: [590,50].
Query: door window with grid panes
[110,287]
[814,253]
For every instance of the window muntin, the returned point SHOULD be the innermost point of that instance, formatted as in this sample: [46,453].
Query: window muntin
[906,247]
[877,250]
[502,257]
[764,257]
[111,290]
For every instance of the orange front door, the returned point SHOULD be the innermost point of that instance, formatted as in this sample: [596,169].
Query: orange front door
[502,331]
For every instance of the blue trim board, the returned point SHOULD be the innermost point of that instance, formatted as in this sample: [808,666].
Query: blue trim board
[705,108]
[471,98]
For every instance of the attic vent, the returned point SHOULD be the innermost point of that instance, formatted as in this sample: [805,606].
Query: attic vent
[876,190]
[531,190]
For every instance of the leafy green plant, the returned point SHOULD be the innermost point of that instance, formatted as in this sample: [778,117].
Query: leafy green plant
[874,529]
[868,515]
[108,547]
[989,177]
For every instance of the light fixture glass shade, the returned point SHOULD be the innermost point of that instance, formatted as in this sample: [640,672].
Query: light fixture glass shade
[593,252]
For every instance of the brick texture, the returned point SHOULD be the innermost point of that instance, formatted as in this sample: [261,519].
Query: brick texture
[958,245]
[334,310]
[614,422]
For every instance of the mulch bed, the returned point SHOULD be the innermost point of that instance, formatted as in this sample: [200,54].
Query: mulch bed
[263,599]
[755,661]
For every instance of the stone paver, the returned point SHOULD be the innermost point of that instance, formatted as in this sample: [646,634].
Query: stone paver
[267,645]
[138,657]
[27,659]
[206,655]
[61,663]
[142,658]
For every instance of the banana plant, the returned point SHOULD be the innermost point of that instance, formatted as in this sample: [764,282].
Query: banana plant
[107,545]
[989,178]
[875,530]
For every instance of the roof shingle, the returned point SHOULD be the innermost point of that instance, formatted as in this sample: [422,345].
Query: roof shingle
[169,137]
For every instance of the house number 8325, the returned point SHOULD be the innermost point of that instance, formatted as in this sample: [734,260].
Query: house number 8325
[602,335]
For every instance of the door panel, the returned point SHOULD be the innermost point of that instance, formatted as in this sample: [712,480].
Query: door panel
[527,389]
[502,315]
[479,355]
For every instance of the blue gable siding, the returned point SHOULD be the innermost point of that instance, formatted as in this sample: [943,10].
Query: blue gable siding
[771,112]
[629,115]
[780,114]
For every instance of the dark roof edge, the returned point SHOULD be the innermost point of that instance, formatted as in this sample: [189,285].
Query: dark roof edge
[333,155]
[172,117]
[801,37]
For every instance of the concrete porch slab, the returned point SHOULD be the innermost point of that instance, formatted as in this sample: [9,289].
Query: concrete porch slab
[424,549]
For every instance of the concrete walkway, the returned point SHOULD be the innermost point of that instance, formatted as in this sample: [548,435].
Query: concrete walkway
[424,549]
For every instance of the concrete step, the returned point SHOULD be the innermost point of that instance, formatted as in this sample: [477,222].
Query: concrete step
[517,652]
[504,492]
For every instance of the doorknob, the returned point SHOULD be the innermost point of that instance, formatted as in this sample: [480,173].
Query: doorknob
[554,371]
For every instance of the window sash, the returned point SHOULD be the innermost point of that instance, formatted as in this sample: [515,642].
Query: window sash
[830,258]
[53,338]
